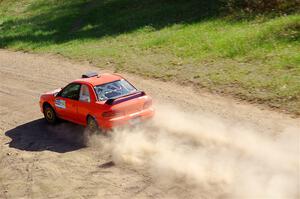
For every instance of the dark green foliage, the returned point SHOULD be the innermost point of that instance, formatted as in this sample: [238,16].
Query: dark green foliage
[262,6]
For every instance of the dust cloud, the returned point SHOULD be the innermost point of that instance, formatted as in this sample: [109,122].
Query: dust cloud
[210,157]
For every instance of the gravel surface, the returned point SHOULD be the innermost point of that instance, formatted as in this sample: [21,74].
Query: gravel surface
[41,161]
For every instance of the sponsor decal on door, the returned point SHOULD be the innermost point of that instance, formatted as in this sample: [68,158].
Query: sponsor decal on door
[60,103]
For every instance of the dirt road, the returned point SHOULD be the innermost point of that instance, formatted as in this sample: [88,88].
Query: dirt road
[200,145]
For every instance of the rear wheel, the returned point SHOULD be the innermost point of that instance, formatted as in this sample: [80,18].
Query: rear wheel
[92,125]
[91,129]
[50,114]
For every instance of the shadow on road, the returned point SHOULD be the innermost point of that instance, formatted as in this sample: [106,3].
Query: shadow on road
[37,135]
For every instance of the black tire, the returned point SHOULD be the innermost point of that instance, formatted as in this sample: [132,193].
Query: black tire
[92,125]
[50,114]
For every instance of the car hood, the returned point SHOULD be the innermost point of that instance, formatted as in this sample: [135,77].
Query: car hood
[52,92]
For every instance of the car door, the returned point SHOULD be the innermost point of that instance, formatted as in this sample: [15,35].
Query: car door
[66,102]
[85,103]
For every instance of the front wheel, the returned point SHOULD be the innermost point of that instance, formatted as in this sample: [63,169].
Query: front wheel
[49,114]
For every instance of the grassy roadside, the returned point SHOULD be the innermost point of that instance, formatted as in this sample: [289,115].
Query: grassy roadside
[256,59]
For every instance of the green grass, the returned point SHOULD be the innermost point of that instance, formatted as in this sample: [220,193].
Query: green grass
[190,42]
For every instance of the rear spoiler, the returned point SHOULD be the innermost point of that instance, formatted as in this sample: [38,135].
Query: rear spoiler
[125,98]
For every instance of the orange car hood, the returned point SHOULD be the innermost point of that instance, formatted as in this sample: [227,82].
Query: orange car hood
[53,92]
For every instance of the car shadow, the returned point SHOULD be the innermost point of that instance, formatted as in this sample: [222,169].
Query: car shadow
[37,135]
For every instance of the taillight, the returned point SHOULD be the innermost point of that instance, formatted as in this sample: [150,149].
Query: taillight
[147,104]
[112,114]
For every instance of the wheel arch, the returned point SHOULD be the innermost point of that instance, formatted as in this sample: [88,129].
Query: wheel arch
[47,104]
[90,115]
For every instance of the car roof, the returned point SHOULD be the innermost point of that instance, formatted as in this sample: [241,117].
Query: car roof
[100,79]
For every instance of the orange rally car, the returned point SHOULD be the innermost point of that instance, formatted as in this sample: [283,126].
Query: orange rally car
[97,101]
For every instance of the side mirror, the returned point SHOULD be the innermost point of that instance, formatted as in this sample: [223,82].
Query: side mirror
[58,93]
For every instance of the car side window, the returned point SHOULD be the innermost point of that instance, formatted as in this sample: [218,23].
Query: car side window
[84,95]
[71,91]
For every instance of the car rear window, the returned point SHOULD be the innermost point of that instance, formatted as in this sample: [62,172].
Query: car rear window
[114,90]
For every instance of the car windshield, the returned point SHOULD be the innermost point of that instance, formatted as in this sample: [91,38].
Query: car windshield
[114,89]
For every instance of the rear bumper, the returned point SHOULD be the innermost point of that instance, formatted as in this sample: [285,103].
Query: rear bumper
[126,120]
